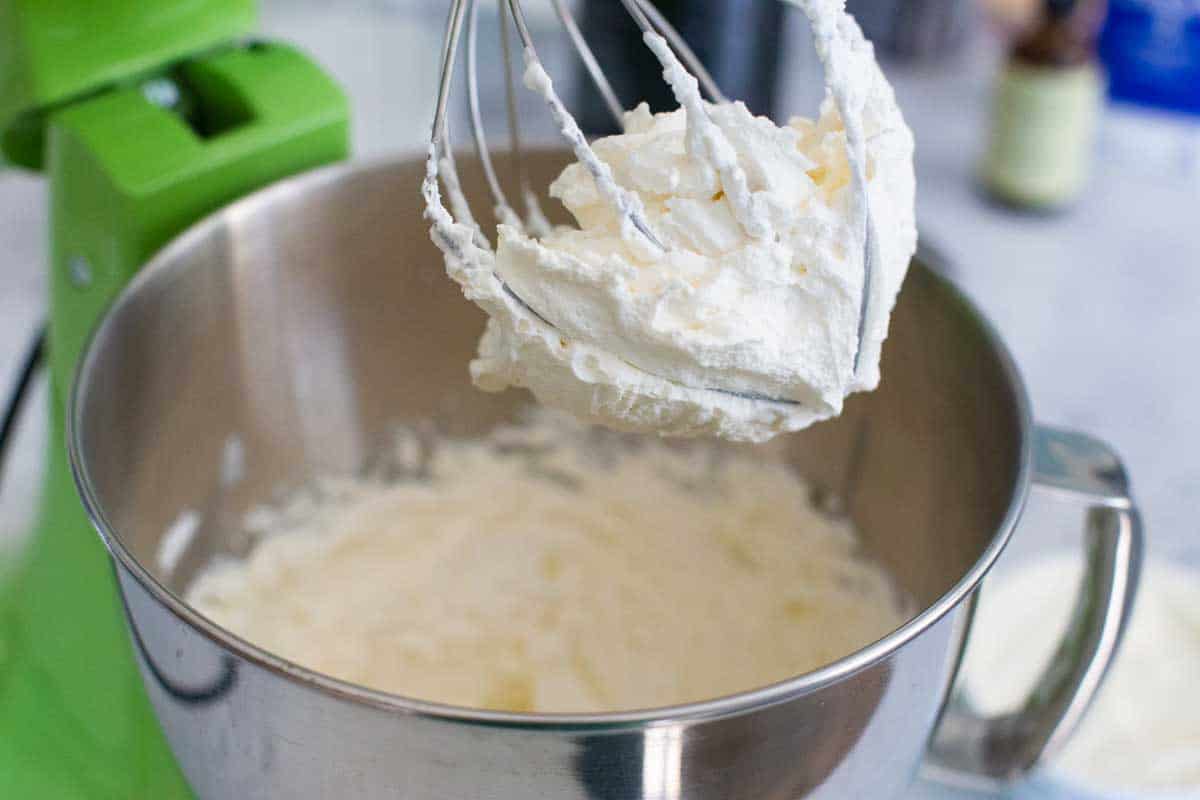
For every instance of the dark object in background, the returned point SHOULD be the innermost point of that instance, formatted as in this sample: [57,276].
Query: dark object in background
[1064,36]
[1046,109]
[737,40]
[915,30]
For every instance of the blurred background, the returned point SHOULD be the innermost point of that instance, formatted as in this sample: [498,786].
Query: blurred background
[1058,169]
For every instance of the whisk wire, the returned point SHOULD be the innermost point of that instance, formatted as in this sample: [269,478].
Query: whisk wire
[694,64]
[504,211]
[590,63]
[627,204]
[535,220]
[449,52]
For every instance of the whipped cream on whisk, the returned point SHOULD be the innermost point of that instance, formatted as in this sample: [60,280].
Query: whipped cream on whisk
[734,308]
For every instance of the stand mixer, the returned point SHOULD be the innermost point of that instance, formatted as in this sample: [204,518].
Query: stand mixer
[165,117]
[144,115]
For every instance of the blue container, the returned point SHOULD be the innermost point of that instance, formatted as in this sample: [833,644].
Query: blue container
[1151,49]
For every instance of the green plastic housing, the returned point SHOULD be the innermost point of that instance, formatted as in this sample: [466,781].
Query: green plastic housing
[129,168]
[56,51]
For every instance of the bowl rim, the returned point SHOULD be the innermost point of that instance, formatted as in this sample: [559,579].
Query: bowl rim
[167,261]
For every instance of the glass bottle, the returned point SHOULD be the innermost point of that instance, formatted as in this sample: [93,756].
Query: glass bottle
[1046,108]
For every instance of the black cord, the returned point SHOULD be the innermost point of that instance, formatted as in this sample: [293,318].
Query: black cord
[20,392]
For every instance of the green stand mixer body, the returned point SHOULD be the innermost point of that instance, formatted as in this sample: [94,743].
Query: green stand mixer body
[145,116]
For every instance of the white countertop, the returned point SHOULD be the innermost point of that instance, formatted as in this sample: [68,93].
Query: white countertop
[1101,305]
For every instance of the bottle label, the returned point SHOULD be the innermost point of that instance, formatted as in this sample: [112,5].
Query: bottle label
[1042,133]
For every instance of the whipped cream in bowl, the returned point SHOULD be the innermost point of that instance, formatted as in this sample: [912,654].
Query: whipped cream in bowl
[716,279]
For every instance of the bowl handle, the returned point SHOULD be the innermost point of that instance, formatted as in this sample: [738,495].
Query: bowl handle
[979,750]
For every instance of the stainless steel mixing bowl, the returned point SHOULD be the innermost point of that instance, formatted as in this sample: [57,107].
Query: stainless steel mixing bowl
[290,330]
